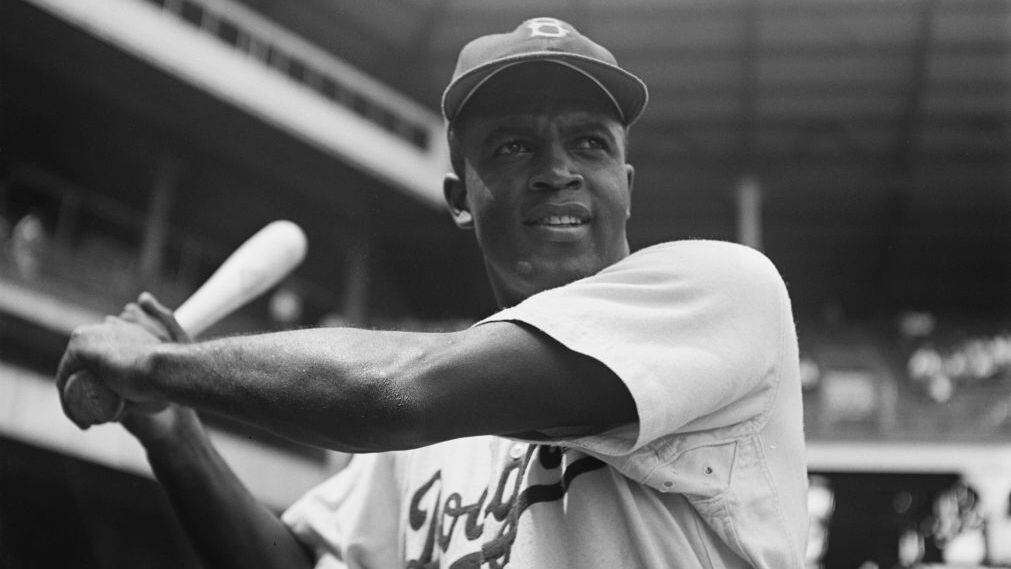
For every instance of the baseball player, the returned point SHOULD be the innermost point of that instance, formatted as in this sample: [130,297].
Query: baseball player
[621,410]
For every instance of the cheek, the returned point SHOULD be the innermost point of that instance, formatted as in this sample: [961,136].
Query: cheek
[488,213]
[490,199]
[616,194]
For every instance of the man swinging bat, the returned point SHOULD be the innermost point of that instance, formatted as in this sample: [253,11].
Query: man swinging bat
[621,410]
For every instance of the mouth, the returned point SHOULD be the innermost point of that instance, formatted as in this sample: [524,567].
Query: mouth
[560,222]
[562,215]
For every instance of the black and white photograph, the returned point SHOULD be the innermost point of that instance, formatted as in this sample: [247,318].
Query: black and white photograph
[479,284]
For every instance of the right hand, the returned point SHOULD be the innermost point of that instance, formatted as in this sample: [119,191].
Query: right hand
[156,422]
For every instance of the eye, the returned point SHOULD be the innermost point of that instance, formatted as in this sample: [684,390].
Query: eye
[591,143]
[511,147]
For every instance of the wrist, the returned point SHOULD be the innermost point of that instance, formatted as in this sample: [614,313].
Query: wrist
[168,432]
[154,370]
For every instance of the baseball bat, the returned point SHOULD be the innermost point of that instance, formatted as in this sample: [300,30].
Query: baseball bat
[257,265]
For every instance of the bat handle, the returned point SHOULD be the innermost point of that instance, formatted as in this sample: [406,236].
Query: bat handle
[89,402]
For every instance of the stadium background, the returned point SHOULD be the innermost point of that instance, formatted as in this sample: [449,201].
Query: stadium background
[863,145]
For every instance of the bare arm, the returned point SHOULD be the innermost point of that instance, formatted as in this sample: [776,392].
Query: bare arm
[226,524]
[224,521]
[360,390]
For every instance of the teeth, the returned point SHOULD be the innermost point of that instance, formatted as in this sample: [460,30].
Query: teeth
[560,220]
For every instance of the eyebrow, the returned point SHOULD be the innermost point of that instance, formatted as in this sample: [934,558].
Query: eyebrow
[591,126]
[521,124]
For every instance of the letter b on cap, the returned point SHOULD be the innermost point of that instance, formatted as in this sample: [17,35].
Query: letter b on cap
[546,28]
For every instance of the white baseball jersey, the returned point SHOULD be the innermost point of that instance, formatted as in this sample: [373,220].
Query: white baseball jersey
[711,476]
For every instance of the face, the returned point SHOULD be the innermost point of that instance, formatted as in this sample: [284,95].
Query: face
[545,184]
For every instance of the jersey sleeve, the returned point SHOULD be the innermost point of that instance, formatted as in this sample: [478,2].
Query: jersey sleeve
[352,520]
[694,330]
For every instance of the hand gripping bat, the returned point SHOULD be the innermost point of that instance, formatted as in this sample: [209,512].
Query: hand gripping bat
[257,265]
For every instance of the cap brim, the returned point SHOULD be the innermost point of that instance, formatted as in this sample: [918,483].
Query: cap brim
[628,92]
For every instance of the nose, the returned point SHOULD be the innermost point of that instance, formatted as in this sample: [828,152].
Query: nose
[556,171]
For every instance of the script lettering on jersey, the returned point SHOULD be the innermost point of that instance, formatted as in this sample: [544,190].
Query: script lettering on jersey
[439,518]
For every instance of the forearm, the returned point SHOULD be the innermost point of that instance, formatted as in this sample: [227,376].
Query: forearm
[367,391]
[225,523]
[343,389]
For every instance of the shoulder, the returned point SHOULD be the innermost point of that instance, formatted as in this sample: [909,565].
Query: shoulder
[712,262]
[704,251]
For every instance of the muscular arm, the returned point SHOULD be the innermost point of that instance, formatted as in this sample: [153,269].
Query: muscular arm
[346,389]
[226,524]
[360,390]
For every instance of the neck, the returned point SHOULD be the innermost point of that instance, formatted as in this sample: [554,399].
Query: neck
[515,284]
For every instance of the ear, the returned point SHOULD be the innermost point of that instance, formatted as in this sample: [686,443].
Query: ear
[630,172]
[454,190]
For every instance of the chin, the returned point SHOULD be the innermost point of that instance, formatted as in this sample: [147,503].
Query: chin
[551,273]
[527,275]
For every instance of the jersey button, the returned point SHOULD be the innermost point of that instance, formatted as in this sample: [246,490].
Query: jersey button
[516,451]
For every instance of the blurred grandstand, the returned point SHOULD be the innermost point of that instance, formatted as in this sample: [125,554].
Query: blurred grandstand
[863,145]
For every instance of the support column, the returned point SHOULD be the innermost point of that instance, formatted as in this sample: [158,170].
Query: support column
[6,224]
[152,252]
[749,213]
[357,274]
[66,221]
[3,196]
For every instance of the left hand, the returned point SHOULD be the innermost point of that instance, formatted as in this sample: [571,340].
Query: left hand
[163,423]
[116,353]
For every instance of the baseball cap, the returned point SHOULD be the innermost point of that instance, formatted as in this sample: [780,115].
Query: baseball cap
[543,39]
